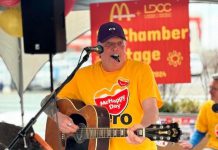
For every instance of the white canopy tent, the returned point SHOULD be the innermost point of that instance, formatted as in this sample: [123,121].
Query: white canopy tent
[23,67]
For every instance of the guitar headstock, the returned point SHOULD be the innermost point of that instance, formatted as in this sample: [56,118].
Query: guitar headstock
[163,132]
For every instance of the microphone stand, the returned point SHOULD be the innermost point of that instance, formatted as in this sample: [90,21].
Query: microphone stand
[51,97]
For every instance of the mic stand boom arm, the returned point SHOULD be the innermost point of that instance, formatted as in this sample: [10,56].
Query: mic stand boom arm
[23,131]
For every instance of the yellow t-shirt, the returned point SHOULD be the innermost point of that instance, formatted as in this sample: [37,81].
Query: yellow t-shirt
[121,92]
[207,121]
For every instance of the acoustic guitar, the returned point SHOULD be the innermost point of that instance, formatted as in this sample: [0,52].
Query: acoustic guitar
[94,132]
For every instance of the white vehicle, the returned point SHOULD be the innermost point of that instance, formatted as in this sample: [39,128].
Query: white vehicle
[196,64]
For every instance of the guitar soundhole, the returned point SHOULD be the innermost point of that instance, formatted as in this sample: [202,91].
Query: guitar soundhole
[77,119]
[71,143]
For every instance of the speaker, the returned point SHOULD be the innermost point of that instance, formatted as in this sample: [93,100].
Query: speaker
[43,26]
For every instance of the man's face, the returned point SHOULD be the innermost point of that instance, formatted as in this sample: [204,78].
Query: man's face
[214,90]
[114,46]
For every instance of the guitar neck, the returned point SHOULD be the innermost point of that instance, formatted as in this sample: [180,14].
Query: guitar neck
[164,132]
[90,133]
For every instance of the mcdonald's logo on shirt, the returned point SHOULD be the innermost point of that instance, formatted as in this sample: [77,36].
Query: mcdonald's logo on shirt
[120,12]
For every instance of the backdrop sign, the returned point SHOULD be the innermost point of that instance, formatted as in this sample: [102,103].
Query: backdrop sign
[157,33]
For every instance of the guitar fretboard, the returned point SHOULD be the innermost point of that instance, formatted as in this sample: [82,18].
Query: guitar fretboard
[89,133]
[163,132]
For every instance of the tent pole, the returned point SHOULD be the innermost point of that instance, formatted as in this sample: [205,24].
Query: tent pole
[21,80]
[51,72]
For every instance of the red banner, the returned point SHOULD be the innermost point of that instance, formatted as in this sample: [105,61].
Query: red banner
[157,33]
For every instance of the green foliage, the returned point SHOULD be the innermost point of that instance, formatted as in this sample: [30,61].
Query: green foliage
[169,107]
[188,106]
[181,106]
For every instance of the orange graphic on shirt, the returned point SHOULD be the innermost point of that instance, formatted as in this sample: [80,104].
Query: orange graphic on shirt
[115,99]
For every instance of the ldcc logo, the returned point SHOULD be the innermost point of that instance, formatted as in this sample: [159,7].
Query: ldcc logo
[158,8]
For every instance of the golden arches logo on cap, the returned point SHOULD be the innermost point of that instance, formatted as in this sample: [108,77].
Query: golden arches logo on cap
[122,12]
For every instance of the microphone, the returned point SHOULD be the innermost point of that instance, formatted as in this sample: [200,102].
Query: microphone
[215,108]
[98,49]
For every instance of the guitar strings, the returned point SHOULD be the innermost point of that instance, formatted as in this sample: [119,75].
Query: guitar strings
[109,131]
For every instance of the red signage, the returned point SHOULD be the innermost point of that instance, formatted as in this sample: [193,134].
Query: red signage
[157,33]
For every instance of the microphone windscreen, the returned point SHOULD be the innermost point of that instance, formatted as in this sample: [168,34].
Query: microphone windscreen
[100,49]
[215,108]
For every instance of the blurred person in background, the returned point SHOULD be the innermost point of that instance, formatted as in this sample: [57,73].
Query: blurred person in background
[207,121]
